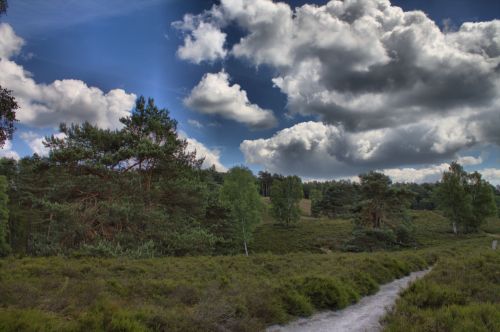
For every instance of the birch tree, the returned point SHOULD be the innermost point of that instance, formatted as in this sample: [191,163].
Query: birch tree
[240,194]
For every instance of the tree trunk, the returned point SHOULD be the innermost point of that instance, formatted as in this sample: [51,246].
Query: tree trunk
[246,248]
[455,228]
[244,238]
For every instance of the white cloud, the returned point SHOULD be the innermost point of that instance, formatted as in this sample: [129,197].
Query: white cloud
[215,95]
[390,82]
[469,160]
[7,152]
[211,156]
[417,175]
[434,173]
[70,101]
[35,142]
[195,123]
[492,175]
[10,43]
[205,43]
[319,150]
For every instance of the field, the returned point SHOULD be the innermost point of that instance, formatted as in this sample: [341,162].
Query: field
[292,272]
[462,293]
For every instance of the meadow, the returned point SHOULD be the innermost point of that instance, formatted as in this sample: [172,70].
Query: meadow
[288,274]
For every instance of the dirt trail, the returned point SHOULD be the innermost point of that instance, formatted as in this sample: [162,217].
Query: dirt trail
[360,317]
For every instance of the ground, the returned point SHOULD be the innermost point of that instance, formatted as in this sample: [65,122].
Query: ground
[291,272]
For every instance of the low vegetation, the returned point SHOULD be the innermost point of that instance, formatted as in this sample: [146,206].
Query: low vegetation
[188,294]
[462,293]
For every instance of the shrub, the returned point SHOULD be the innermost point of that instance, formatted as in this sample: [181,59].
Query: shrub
[325,292]
[371,239]
[295,303]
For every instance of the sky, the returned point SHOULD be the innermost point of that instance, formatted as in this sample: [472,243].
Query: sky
[320,89]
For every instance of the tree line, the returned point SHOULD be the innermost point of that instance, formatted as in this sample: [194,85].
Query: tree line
[136,191]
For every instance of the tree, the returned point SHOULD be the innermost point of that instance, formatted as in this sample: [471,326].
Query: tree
[266,180]
[339,199]
[483,201]
[285,198]
[381,203]
[466,199]
[123,187]
[8,107]
[3,6]
[316,197]
[4,217]
[8,104]
[240,194]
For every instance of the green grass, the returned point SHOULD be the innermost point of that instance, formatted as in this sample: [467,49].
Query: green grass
[233,293]
[462,293]
[492,226]
[192,293]
[307,235]
[324,235]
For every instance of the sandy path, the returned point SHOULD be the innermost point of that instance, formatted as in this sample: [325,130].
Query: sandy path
[360,317]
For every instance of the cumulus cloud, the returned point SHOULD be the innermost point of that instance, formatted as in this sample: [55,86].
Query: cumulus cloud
[434,173]
[211,156]
[391,84]
[7,152]
[316,149]
[204,43]
[417,175]
[469,160]
[492,175]
[215,95]
[10,43]
[68,100]
[35,142]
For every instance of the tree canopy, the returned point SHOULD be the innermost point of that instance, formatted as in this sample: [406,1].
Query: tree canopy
[285,197]
[466,199]
[240,194]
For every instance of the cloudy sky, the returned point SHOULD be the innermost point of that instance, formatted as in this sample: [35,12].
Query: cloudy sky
[321,89]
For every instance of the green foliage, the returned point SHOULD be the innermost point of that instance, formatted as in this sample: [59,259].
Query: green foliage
[325,292]
[4,217]
[8,107]
[371,239]
[334,199]
[296,303]
[133,192]
[240,195]
[234,293]
[462,293]
[466,199]
[285,198]
[3,6]
[306,235]
[381,203]
[316,197]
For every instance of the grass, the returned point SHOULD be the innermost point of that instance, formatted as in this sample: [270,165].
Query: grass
[240,293]
[325,235]
[193,293]
[307,235]
[462,293]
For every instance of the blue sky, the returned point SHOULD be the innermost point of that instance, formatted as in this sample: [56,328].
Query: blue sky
[133,46]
